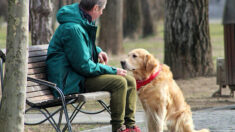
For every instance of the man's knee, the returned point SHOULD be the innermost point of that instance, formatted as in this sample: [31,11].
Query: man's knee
[120,83]
[131,81]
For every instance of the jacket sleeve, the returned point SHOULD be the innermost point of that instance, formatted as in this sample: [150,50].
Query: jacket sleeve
[78,55]
[98,49]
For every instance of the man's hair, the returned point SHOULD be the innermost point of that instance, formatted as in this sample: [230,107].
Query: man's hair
[89,4]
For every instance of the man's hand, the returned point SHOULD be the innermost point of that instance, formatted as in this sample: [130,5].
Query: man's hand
[121,72]
[103,57]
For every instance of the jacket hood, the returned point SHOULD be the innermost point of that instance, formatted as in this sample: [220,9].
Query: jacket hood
[69,13]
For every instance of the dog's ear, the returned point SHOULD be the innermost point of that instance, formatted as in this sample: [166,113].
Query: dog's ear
[150,63]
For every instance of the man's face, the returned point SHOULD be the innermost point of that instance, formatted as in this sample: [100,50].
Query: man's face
[96,12]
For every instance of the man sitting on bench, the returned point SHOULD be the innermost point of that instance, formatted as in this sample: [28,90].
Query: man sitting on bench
[75,63]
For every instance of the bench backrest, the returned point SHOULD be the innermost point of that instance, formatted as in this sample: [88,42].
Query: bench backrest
[37,69]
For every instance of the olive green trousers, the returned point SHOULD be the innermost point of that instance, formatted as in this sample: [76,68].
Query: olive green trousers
[123,97]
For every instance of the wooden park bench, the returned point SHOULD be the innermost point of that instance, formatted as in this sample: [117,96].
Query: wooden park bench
[39,96]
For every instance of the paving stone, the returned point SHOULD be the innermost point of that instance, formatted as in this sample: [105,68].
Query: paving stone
[220,119]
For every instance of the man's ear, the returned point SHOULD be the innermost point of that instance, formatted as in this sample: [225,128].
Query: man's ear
[150,63]
[96,8]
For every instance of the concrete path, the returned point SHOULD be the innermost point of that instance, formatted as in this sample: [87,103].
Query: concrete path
[220,119]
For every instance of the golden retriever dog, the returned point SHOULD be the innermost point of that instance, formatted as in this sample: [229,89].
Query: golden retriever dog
[161,97]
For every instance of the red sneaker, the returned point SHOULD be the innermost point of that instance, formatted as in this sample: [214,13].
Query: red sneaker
[133,129]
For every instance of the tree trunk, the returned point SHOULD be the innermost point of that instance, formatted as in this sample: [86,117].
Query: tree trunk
[41,21]
[111,33]
[62,3]
[3,9]
[13,100]
[187,40]
[70,2]
[132,20]
[157,9]
[148,21]
[56,6]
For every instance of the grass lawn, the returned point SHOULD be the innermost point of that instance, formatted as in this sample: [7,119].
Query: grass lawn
[3,35]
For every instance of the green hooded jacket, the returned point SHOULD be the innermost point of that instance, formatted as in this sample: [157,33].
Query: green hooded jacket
[72,54]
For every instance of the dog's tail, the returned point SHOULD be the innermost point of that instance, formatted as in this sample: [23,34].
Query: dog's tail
[184,122]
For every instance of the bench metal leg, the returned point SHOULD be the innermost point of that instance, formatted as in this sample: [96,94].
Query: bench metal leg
[53,122]
[47,115]
[73,115]
[107,108]
[68,124]
[60,118]
[78,108]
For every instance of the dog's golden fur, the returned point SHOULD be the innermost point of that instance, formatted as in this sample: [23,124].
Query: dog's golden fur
[162,99]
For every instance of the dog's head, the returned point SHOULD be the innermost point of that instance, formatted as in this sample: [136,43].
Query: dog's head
[141,63]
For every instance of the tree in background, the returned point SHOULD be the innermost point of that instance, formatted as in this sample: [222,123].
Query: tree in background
[157,9]
[140,17]
[132,19]
[3,9]
[111,32]
[13,99]
[188,48]
[56,6]
[41,21]
[66,2]
[149,27]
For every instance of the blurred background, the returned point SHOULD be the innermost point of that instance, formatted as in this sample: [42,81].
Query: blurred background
[142,24]
[187,36]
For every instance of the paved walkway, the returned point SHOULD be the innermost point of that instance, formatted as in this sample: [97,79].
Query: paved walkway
[220,119]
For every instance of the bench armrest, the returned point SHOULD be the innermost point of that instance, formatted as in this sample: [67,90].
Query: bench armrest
[3,59]
[40,81]
[2,55]
[46,83]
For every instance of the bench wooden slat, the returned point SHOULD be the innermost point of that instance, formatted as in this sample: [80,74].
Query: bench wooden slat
[36,65]
[37,70]
[38,47]
[30,84]
[38,53]
[37,59]
[36,88]
[41,99]
[93,96]
[39,76]
[33,48]
[38,93]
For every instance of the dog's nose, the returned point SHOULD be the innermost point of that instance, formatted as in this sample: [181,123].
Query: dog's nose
[123,63]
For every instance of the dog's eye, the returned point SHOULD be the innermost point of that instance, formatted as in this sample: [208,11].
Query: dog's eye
[134,56]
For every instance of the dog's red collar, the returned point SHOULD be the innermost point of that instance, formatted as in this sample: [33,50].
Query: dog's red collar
[142,83]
